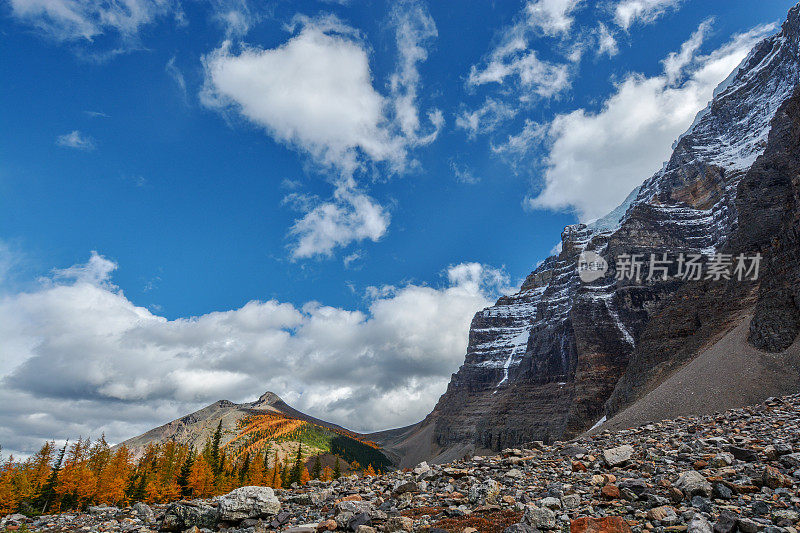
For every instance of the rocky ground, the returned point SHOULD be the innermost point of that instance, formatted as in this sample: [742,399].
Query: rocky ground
[738,471]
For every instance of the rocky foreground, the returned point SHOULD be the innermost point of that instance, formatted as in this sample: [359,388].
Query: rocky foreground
[738,471]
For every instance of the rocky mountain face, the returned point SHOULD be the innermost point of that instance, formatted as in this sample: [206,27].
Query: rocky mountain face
[561,355]
[196,428]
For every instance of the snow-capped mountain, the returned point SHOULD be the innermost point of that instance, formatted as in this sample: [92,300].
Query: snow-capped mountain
[558,356]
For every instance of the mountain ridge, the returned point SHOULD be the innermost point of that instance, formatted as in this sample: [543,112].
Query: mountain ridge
[560,355]
[195,429]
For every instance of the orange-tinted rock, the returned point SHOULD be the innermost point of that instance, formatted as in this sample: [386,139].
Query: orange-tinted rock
[675,494]
[611,492]
[609,524]
[327,525]
[773,478]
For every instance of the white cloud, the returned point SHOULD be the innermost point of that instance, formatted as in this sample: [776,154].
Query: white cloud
[596,158]
[69,20]
[606,43]
[414,32]
[514,68]
[175,73]
[76,139]
[349,217]
[235,16]
[486,118]
[475,277]
[552,17]
[629,12]
[96,272]
[676,62]
[531,75]
[352,258]
[315,93]
[514,59]
[79,358]
[516,146]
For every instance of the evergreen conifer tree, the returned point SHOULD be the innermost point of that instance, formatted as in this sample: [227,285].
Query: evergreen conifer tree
[337,469]
[48,492]
[185,472]
[316,470]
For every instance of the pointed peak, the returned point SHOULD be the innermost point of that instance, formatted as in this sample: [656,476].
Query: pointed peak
[268,398]
[792,22]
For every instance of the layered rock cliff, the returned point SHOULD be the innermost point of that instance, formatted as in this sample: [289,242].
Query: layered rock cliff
[560,355]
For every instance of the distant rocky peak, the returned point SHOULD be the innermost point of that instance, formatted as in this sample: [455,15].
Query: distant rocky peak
[268,398]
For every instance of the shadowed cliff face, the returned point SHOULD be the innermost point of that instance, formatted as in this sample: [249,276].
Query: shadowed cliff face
[770,220]
[545,363]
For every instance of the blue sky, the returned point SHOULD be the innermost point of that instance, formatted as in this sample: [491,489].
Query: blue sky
[385,160]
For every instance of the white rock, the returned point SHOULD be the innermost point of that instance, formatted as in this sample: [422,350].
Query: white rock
[248,502]
[617,456]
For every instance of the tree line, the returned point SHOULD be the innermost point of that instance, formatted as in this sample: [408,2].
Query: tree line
[84,473]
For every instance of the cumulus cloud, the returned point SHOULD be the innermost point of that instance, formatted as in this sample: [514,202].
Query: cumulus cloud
[314,93]
[79,358]
[596,158]
[350,216]
[630,12]
[77,140]
[70,20]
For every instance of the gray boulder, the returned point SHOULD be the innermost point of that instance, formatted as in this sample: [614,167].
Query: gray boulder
[353,507]
[182,516]
[539,517]
[693,483]
[791,460]
[484,493]
[617,456]
[13,519]
[399,523]
[248,502]
[144,512]
[699,524]
[405,486]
